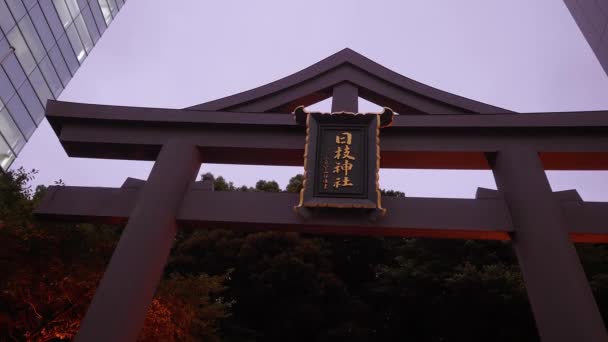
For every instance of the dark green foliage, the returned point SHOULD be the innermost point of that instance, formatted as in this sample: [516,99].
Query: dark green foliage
[392,193]
[49,271]
[302,288]
[220,184]
[278,286]
[468,288]
[595,262]
[15,194]
[285,286]
[295,183]
[267,186]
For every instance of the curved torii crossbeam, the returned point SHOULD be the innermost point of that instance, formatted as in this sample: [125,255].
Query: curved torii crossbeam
[374,83]
[248,128]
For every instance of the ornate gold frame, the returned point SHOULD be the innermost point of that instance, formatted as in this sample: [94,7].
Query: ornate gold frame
[297,112]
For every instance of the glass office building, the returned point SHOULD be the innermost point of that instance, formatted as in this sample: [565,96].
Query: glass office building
[42,45]
[591,16]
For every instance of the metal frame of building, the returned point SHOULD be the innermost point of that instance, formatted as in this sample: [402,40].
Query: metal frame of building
[42,45]
[591,16]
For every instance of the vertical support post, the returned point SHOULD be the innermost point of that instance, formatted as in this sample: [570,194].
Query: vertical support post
[562,302]
[345,98]
[121,301]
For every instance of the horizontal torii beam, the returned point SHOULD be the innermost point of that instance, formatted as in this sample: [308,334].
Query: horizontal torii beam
[565,141]
[485,218]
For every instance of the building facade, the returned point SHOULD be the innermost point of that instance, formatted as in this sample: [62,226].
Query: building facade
[591,16]
[42,44]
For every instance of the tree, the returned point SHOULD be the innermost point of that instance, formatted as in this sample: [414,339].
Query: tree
[381,288]
[295,183]
[280,285]
[271,286]
[50,273]
[451,290]
[220,184]
[185,308]
[267,186]
[392,193]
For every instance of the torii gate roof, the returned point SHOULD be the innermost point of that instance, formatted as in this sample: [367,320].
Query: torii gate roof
[574,140]
[374,82]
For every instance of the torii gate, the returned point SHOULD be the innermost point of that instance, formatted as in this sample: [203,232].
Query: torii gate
[254,127]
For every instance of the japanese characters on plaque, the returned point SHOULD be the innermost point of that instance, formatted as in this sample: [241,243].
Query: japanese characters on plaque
[342,159]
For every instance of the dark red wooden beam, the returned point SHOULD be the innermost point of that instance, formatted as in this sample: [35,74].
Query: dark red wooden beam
[569,141]
[485,218]
[61,112]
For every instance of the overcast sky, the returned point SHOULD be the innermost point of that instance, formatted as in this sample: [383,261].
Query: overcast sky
[526,56]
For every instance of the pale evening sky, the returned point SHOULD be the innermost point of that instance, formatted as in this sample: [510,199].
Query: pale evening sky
[526,56]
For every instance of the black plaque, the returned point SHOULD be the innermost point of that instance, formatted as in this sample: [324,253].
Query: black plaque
[342,159]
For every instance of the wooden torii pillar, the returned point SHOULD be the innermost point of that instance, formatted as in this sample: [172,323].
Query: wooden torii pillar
[517,147]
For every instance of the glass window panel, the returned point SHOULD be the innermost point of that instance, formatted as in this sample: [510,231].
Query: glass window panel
[21,50]
[6,155]
[31,101]
[39,116]
[90,23]
[60,66]
[96,10]
[113,7]
[6,19]
[64,13]
[83,33]
[82,4]
[5,49]
[119,3]
[21,116]
[29,4]
[51,76]
[6,88]
[105,9]
[51,17]
[16,8]
[11,133]
[73,7]
[46,36]
[68,54]
[32,39]
[13,70]
[76,43]
[40,86]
